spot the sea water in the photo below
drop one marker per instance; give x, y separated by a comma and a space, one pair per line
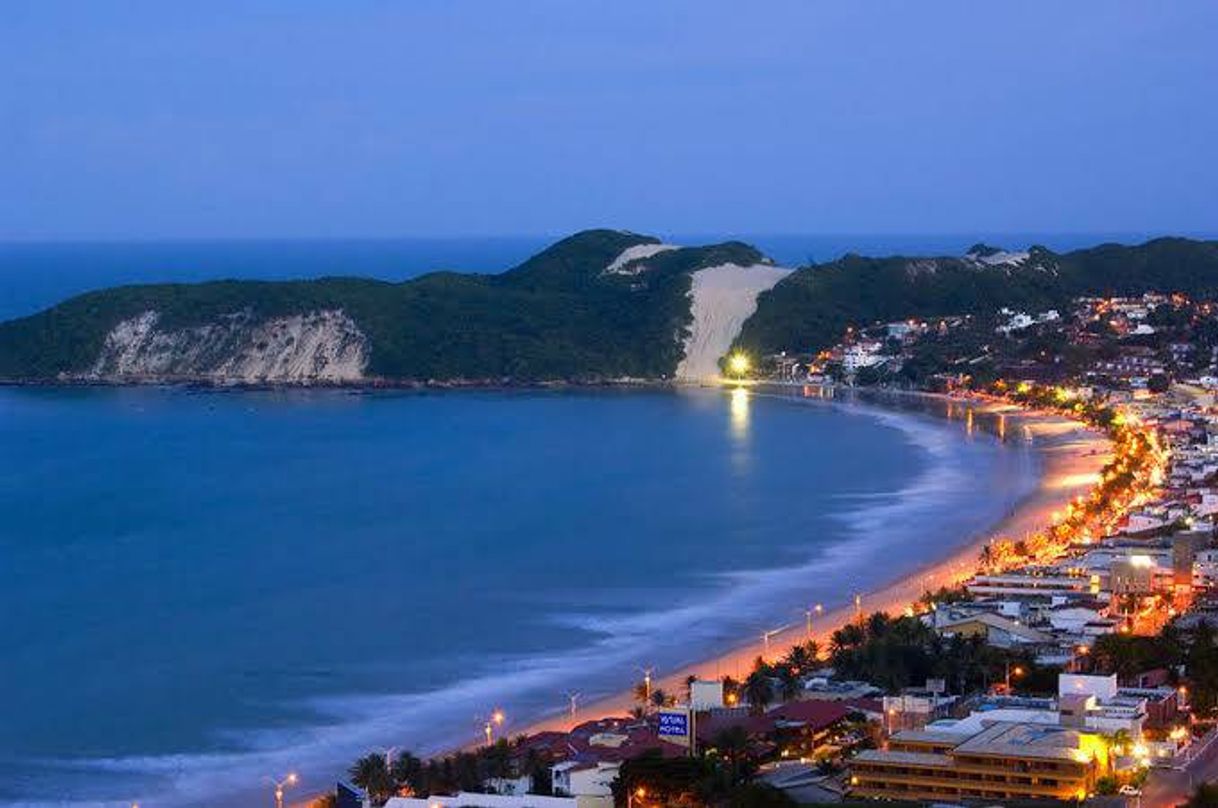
202, 589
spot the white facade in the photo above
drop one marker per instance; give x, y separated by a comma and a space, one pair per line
1076, 684
464, 800
706, 695
574, 779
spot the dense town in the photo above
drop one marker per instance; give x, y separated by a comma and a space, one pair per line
1078, 663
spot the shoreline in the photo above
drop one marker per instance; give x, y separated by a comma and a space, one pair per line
1071, 455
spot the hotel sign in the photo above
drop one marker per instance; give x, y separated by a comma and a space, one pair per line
674, 726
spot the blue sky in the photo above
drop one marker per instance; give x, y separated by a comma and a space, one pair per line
155, 119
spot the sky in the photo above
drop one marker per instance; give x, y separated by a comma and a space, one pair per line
150, 119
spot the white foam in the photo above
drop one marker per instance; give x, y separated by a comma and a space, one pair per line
430, 722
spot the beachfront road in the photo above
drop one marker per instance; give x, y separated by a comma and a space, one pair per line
1166, 788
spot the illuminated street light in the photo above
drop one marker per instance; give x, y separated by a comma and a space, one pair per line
488, 728
738, 364
280, 785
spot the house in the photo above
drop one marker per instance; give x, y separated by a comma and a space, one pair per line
999, 631
465, 800
574, 778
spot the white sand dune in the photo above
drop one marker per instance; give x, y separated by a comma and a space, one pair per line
723, 298
635, 253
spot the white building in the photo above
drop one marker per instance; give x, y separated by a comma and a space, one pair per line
584, 779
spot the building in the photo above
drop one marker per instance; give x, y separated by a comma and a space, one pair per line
1003, 761
1033, 584
574, 778
468, 800
996, 630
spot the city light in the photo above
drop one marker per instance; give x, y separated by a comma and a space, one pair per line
738, 364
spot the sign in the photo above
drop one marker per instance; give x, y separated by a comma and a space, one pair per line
674, 726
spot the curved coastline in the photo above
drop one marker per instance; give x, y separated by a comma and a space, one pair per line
952, 560
1071, 455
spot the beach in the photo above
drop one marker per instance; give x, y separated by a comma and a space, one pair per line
1072, 456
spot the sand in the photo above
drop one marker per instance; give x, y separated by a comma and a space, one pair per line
1071, 464
724, 297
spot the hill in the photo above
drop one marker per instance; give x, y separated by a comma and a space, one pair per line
600, 304
811, 308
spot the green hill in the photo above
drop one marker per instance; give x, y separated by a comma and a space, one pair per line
559, 315
811, 309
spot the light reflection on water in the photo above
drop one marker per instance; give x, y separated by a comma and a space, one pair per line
740, 413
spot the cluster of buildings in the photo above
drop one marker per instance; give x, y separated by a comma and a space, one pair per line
1006, 747
1157, 563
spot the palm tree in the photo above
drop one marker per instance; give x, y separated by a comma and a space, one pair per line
757, 690
847, 637
372, 775
788, 682
407, 773
642, 694
689, 687
798, 659
659, 698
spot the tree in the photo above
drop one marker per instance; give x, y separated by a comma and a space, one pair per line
848, 636
732, 745
372, 775
758, 691
789, 682
798, 659
407, 772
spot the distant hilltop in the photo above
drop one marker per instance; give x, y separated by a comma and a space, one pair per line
599, 306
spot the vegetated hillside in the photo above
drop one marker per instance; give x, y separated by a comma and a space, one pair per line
811, 309
559, 315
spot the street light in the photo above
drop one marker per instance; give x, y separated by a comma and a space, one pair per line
639, 793
738, 363
1017, 671
495, 720
280, 785
647, 683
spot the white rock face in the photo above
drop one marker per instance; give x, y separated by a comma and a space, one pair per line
723, 298
619, 266
322, 346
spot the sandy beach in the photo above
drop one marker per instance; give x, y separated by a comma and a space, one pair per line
1072, 456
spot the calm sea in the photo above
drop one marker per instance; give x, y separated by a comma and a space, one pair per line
199, 590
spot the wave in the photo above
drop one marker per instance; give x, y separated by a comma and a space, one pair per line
740, 604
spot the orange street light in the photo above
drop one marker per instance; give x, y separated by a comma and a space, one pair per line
280, 785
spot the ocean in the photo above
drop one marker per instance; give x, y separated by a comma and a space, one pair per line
199, 590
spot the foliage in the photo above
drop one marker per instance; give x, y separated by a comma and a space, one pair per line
904, 652
810, 309
556, 316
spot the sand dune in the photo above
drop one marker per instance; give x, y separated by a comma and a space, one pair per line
723, 298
